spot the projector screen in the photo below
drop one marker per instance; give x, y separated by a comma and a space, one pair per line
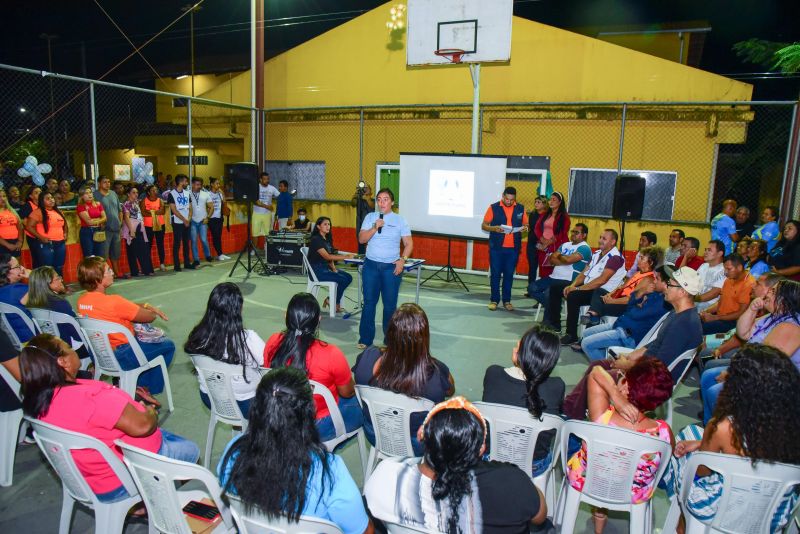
448, 194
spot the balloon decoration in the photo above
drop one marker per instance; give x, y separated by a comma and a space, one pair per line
142, 171
35, 170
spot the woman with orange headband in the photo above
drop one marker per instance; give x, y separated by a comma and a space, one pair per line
469, 495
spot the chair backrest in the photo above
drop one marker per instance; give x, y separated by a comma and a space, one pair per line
155, 476
653, 332
513, 433
216, 376
49, 321
10, 309
256, 522
684, 360
311, 274
396, 528
97, 332
612, 457
390, 413
10, 380
761, 487
57, 445
333, 407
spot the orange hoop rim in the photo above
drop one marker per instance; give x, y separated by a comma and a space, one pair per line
454, 54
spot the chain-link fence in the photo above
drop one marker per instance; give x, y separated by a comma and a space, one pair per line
696, 154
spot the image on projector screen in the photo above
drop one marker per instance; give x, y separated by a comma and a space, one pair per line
451, 193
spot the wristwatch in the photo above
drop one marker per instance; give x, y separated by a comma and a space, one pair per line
405, 258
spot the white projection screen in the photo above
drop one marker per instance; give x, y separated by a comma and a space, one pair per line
448, 194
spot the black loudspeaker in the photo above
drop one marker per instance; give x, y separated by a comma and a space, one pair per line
628, 197
244, 177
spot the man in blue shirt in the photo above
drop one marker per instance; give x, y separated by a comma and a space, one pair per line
723, 226
285, 208
382, 232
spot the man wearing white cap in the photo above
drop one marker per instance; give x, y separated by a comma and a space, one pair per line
681, 330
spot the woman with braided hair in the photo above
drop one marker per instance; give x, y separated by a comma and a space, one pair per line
528, 384
451, 489
280, 466
754, 417
298, 346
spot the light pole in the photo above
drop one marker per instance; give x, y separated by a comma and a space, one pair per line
49, 38
191, 9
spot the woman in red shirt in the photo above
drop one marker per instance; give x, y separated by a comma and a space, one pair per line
93, 219
49, 227
552, 230
11, 236
153, 210
325, 363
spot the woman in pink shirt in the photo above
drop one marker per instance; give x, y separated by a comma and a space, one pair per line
54, 395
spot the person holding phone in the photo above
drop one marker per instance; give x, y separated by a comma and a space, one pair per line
689, 257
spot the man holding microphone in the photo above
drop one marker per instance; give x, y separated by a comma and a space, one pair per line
382, 232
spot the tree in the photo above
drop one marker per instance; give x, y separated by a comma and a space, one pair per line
771, 54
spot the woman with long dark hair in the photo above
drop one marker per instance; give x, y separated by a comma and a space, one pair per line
133, 232
540, 209
753, 417
281, 468
784, 258
405, 366
49, 226
92, 217
15, 292
221, 335
450, 489
757, 258
11, 229
153, 207
31, 203
53, 394
322, 257
299, 347
552, 229
528, 384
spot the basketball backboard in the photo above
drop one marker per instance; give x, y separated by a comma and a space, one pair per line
482, 28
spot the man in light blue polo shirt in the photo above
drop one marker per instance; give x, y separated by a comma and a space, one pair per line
723, 226
382, 232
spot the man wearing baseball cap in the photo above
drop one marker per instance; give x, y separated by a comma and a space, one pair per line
681, 330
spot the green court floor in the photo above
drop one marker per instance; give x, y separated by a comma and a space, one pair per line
464, 334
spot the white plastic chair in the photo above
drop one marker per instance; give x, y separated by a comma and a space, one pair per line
514, 432
684, 359
612, 457
216, 376
342, 434
12, 433
255, 522
396, 528
390, 414
57, 445
314, 284
156, 475
48, 322
105, 363
750, 495
648, 337
10, 309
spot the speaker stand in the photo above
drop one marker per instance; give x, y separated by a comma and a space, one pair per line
249, 249
622, 238
450, 274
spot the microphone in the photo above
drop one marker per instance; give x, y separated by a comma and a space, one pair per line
381, 228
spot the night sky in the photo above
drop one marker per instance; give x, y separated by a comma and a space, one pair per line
222, 31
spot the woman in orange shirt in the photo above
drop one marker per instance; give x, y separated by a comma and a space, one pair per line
31, 203
11, 236
153, 205
49, 227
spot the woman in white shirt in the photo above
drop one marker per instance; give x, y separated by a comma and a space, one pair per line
220, 335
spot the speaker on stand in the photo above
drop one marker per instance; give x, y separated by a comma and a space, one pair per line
244, 177
628, 204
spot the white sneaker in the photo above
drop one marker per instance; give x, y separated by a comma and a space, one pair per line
224, 257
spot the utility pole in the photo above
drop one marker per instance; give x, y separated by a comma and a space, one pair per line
191, 9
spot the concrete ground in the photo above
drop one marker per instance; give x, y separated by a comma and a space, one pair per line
464, 334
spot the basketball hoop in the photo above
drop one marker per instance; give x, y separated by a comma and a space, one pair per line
453, 54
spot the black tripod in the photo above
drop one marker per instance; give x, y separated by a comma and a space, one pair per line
450, 274
249, 250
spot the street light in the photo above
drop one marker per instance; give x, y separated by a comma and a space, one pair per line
22, 110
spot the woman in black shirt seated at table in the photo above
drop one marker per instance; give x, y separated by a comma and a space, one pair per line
322, 257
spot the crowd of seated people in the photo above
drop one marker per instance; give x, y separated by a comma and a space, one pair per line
280, 464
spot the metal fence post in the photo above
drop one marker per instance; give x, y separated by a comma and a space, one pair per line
790, 165
189, 134
622, 137
96, 166
361, 146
